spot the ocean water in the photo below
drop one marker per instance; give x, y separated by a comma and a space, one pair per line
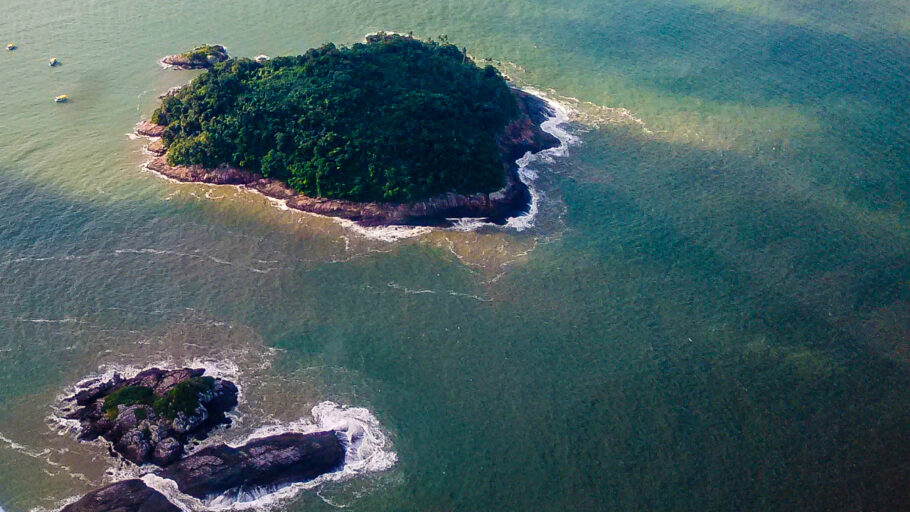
708, 312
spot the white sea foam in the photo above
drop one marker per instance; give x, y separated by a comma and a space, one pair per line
25, 450
384, 233
57, 506
555, 126
466, 223
368, 450
527, 173
408, 291
65, 320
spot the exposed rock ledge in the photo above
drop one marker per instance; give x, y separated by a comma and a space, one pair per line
272, 461
154, 422
268, 462
521, 136
201, 60
125, 496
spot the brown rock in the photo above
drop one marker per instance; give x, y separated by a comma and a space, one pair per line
167, 451
137, 432
156, 147
126, 496
150, 129
270, 461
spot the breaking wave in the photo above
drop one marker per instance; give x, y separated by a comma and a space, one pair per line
368, 450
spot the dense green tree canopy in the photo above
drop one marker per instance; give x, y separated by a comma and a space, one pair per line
394, 119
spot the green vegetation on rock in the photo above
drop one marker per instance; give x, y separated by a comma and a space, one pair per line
202, 53
394, 119
183, 397
130, 395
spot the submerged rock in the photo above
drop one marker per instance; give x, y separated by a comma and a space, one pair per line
267, 462
150, 417
125, 496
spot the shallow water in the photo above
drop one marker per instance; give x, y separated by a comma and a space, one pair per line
709, 313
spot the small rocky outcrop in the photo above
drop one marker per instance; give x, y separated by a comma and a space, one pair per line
156, 147
150, 417
270, 461
521, 136
150, 129
201, 57
125, 496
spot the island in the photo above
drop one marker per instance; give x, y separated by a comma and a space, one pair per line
394, 130
149, 418
201, 57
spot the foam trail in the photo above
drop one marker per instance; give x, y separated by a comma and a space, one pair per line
25, 450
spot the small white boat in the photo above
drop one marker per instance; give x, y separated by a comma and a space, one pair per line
53, 62
10, 47
61, 98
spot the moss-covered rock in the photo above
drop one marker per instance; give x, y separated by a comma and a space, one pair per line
127, 396
157, 406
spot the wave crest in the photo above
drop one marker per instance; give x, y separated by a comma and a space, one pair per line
368, 450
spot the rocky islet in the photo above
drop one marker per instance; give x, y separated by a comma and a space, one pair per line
149, 418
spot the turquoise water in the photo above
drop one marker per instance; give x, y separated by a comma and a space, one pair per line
710, 312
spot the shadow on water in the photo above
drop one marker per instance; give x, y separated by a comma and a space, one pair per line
731, 346
858, 89
702, 337
706, 335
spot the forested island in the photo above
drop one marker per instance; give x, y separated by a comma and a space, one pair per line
391, 131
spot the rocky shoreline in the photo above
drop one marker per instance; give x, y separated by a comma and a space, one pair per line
521, 136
